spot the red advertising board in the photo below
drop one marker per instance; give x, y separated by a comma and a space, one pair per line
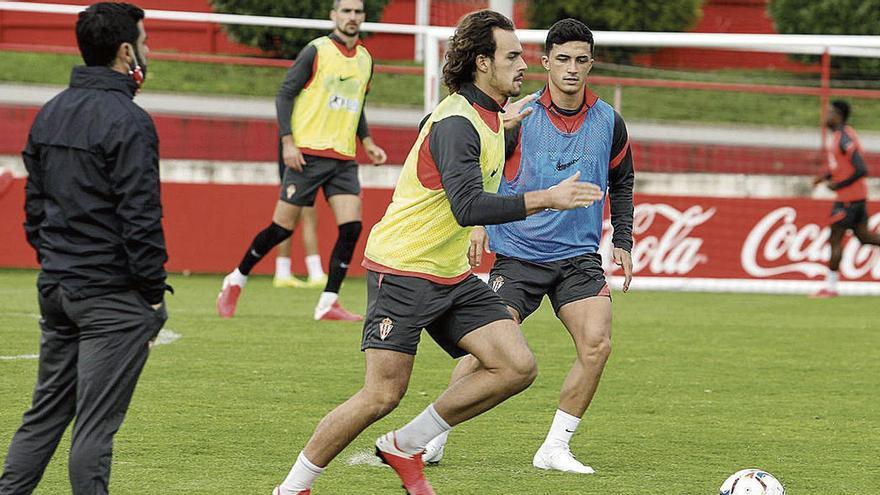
676, 238
742, 238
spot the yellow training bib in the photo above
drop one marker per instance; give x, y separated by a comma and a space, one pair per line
418, 234
326, 114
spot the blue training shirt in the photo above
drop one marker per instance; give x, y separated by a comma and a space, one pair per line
549, 155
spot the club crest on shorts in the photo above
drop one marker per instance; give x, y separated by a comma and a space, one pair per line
385, 328
291, 190
497, 283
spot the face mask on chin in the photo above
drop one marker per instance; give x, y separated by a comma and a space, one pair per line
138, 69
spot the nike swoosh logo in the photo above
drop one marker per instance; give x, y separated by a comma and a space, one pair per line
562, 166
568, 431
493, 173
345, 78
343, 265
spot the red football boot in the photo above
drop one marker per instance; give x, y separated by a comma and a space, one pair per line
277, 491
337, 313
824, 293
409, 467
228, 298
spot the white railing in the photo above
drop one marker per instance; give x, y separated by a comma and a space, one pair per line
850, 46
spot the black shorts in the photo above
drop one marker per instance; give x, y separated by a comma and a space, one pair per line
849, 215
399, 307
334, 176
523, 284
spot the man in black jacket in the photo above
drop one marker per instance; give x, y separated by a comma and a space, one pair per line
93, 215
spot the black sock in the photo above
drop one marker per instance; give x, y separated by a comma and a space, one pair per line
342, 254
268, 238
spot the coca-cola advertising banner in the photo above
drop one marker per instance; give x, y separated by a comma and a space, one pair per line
741, 238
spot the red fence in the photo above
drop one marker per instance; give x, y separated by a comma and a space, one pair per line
238, 139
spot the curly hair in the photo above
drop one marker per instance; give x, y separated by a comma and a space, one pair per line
473, 37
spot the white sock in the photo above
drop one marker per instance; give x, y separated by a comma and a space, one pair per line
327, 299
831, 279
313, 264
413, 437
301, 476
282, 267
237, 278
563, 427
443, 437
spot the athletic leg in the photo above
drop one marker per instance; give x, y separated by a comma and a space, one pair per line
347, 210
588, 321
865, 236
310, 243
284, 219
387, 377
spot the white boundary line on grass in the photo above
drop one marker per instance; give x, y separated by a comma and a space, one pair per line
364, 458
20, 357
28, 315
165, 337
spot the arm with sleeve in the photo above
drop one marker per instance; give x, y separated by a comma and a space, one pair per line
621, 179
363, 131
455, 147
296, 79
135, 181
33, 194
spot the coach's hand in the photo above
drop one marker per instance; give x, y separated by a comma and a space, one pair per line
571, 193
292, 156
623, 259
514, 112
479, 244
377, 155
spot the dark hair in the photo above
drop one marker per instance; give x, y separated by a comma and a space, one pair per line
473, 37
842, 108
567, 30
103, 27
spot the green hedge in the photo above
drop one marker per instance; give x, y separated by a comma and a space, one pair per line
851, 17
280, 41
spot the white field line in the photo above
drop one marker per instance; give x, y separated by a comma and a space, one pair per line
365, 458
165, 337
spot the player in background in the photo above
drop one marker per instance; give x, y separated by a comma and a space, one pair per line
309, 219
419, 276
329, 83
846, 177
554, 253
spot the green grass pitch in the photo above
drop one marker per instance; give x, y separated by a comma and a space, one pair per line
697, 387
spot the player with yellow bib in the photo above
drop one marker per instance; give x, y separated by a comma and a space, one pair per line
329, 84
419, 276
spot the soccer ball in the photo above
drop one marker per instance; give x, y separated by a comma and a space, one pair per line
752, 482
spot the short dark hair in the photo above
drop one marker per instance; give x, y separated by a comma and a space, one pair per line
473, 37
567, 30
842, 108
103, 27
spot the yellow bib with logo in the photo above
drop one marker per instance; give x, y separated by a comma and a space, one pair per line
418, 233
327, 111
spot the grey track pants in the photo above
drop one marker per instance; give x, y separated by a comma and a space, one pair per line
92, 352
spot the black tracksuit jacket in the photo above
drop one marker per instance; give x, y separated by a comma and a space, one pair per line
93, 211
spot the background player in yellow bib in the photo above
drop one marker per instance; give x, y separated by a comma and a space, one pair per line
419, 274
318, 136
